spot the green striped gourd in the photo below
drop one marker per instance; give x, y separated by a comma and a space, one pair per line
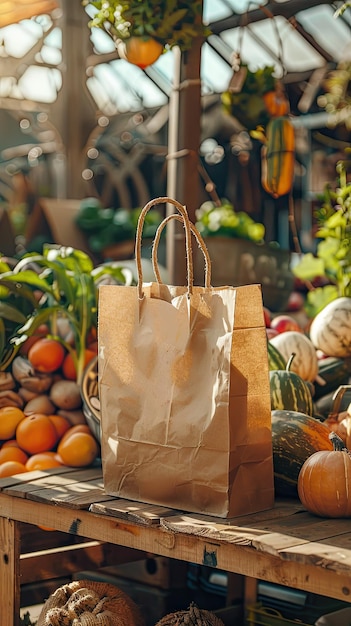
276, 360
289, 391
278, 157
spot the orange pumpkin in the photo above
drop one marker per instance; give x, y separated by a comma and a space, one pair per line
324, 481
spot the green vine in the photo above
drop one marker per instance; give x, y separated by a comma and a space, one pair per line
170, 22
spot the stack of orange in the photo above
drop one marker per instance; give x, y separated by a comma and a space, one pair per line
38, 441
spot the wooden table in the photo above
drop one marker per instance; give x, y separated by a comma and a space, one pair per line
284, 545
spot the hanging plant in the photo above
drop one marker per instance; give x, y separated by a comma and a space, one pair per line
160, 24
247, 104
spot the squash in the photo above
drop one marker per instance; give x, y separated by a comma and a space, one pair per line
295, 436
276, 102
330, 330
305, 363
289, 391
278, 157
332, 372
276, 360
339, 417
324, 481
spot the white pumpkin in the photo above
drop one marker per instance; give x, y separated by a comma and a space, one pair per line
305, 362
330, 330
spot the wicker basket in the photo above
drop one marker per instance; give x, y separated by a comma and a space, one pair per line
90, 398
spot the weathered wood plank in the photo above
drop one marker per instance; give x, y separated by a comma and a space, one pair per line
64, 483
140, 513
24, 478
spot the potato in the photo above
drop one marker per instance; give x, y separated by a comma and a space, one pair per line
65, 394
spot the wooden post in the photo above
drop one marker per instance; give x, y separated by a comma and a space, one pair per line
184, 144
9, 572
74, 112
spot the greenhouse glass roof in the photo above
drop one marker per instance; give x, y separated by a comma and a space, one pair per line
298, 37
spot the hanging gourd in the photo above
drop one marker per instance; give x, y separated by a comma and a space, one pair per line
276, 102
324, 482
278, 157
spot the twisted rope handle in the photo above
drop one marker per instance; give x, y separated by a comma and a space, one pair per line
186, 223
199, 240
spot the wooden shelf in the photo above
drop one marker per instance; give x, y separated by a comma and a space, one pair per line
284, 545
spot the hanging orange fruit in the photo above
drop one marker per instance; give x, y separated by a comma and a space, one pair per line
278, 157
142, 51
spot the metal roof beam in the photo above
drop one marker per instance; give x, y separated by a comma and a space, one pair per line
272, 9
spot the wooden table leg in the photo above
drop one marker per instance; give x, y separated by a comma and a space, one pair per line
9, 571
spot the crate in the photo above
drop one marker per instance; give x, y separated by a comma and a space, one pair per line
259, 615
240, 262
156, 571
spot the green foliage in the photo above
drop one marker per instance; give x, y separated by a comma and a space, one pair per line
41, 287
342, 9
333, 254
226, 222
336, 100
170, 22
105, 227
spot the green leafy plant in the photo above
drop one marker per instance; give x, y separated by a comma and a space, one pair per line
247, 105
40, 288
105, 227
332, 259
170, 22
221, 219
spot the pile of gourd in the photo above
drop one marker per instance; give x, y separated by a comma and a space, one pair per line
311, 411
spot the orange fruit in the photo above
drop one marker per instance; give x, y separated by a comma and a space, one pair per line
143, 51
77, 428
36, 433
10, 417
13, 453
41, 331
46, 355
10, 468
10, 443
62, 424
78, 450
43, 461
68, 366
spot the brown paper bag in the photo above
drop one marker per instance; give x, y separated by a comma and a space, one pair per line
184, 392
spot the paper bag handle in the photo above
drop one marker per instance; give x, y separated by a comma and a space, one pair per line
199, 240
186, 223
